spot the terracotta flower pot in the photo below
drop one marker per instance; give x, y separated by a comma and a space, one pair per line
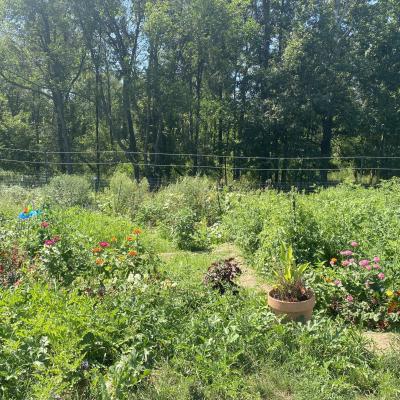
300, 311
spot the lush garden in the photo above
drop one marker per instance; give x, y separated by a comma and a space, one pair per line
105, 295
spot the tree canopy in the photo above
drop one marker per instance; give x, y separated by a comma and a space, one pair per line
281, 90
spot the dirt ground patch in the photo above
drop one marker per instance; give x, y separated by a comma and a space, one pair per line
383, 342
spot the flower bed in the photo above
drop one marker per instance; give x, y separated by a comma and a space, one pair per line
355, 287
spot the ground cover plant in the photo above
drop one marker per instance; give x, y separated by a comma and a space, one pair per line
96, 305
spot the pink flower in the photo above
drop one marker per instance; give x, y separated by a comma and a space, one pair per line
368, 267
345, 263
104, 244
354, 244
381, 276
377, 266
52, 242
45, 224
377, 259
350, 298
338, 282
352, 261
364, 263
346, 253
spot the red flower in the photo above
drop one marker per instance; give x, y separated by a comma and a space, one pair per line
45, 224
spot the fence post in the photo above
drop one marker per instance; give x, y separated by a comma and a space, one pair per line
46, 172
362, 169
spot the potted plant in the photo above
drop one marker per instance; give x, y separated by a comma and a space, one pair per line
290, 296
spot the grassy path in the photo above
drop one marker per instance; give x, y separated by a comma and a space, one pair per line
191, 266
181, 263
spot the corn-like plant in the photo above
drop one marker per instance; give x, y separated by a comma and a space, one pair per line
289, 277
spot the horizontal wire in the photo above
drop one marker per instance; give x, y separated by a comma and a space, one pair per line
222, 167
299, 158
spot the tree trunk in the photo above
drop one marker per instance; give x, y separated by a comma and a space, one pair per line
326, 147
97, 130
132, 147
62, 134
265, 47
220, 143
199, 78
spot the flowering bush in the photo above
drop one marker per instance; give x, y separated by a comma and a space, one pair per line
121, 259
356, 288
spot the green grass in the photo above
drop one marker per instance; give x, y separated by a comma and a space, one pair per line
188, 268
179, 339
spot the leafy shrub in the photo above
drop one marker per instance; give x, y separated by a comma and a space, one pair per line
94, 226
248, 215
12, 197
68, 191
11, 262
184, 211
316, 225
126, 195
221, 275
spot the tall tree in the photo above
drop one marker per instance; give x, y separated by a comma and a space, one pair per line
43, 54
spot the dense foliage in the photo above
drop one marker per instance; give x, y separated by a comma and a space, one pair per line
89, 310
160, 84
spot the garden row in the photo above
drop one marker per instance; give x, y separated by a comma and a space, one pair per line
89, 311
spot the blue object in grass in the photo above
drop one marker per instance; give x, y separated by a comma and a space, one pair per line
30, 214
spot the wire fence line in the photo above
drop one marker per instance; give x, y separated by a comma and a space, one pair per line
217, 167
34, 181
200, 155
282, 173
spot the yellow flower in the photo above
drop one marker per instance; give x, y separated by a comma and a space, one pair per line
113, 239
389, 293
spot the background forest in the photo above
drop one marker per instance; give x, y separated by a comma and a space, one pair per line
278, 90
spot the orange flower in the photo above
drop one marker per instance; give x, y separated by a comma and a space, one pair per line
133, 253
393, 307
26, 210
99, 261
97, 250
328, 280
113, 239
137, 231
129, 238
